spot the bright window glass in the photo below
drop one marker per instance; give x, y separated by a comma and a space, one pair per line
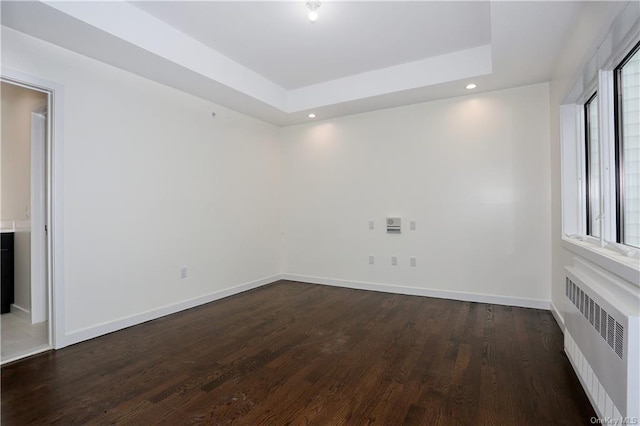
628, 82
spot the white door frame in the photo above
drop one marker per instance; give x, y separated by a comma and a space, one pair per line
54, 194
39, 299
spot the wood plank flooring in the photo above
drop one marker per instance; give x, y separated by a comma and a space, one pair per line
293, 353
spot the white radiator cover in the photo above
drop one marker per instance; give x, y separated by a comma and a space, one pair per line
601, 339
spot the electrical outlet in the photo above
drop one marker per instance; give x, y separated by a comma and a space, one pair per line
412, 225
372, 260
372, 225
183, 272
412, 261
394, 260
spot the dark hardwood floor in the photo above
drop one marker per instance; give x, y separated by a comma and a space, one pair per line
301, 353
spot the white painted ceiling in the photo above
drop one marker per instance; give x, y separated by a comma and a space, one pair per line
275, 40
265, 59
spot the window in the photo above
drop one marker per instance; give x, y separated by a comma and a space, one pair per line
627, 147
621, 201
592, 163
600, 155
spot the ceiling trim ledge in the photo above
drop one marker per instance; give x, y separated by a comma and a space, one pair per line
133, 25
141, 29
454, 66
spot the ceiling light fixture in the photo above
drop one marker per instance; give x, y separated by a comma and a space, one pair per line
312, 115
313, 6
471, 86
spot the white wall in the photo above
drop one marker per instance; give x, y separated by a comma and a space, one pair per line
586, 37
581, 41
153, 183
597, 35
473, 172
15, 175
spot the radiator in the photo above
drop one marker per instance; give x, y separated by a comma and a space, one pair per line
602, 342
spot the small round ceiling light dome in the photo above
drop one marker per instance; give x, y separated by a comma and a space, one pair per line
313, 6
312, 115
470, 86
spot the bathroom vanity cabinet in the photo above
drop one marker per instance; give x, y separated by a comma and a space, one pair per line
6, 271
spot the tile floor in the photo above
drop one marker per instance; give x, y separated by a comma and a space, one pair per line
20, 337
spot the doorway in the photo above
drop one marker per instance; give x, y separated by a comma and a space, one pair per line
24, 204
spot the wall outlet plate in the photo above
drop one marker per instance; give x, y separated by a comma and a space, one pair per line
393, 225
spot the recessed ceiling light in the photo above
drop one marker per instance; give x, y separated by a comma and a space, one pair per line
471, 86
312, 115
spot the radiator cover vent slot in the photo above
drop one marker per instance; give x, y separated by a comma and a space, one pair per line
609, 329
619, 343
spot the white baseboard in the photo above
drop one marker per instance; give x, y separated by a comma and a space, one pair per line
111, 326
557, 316
415, 291
21, 312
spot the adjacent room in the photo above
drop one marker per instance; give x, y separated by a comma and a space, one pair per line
325, 212
25, 327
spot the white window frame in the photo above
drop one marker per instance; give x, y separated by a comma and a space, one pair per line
597, 76
618, 146
581, 110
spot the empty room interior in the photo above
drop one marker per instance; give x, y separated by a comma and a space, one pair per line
320, 212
